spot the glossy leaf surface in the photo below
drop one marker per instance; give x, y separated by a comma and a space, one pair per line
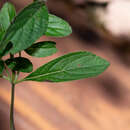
73, 66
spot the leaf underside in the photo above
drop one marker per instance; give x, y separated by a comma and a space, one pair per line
58, 27
42, 49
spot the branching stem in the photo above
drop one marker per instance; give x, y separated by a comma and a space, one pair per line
12, 126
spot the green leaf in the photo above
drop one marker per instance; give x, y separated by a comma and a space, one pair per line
73, 66
57, 27
42, 49
7, 14
29, 25
2, 32
19, 64
7, 49
1, 66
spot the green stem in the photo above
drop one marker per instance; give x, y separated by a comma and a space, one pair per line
11, 56
19, 81
7, 72
19, 54
7, 78
12, 127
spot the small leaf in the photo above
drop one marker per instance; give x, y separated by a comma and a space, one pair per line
7, 14
73, 66
29, 25
42, 49
57, 27
19, 64
1, 66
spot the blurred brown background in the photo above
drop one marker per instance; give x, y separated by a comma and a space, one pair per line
102, 103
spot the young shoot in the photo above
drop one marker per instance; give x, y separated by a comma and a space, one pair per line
20, 33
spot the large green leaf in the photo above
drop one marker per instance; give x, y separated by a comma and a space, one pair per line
7, 14
29, 25
7, 49
73, 66
19, 64
57, 27
42, 49
1, 66
2, 32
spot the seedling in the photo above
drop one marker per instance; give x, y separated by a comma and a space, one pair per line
20, 32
